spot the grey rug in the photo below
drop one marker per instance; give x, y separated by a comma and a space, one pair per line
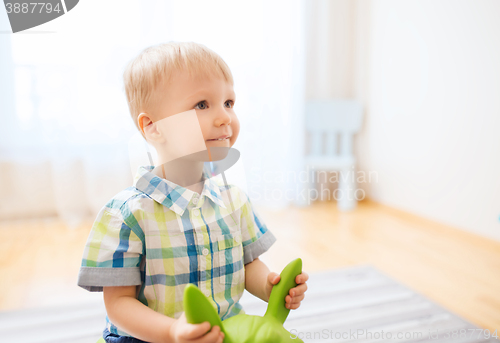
356, 304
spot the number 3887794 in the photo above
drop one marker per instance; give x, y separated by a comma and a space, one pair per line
32, 7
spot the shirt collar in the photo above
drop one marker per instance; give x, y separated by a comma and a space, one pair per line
172, 195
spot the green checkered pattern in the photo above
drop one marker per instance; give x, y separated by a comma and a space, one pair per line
161, 236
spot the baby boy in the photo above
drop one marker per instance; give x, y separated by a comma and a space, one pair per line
175, 225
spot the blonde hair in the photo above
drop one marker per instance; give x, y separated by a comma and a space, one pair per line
155, 65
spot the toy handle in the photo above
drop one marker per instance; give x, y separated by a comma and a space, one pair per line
276, 306
197, 307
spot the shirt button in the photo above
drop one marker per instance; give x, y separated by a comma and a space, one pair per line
237, 239
205, 252
207, 292
195, 201
196, 212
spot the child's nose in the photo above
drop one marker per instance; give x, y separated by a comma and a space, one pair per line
222, 117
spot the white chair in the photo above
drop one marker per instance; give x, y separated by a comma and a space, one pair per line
332, 125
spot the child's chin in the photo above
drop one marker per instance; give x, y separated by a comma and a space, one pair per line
217, 152
225, 142
211, 154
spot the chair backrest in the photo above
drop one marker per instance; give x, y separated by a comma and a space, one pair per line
331, 121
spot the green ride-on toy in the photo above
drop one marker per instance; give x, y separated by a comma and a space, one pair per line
244, 328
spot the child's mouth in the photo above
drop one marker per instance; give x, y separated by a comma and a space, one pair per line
218, 139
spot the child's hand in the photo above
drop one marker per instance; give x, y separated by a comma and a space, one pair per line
181, 332
296, 294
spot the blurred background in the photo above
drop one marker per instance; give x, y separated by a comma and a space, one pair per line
424, 73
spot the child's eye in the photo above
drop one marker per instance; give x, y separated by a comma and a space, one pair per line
202, 105
229, 103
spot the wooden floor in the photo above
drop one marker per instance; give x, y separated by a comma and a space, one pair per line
39, 259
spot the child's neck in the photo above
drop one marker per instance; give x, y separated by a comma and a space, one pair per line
185, 173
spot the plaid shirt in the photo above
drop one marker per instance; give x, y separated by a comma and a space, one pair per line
161, 236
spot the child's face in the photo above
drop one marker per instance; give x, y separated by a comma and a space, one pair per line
212, 98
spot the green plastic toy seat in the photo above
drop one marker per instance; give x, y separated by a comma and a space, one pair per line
244, 328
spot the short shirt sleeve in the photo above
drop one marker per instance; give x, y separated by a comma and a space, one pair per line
112, 254
256, 237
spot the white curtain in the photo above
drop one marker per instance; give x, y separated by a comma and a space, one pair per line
65, 149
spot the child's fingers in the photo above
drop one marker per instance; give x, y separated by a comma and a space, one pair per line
294, 306
192, 331
273, 278
301, 278
300, 289
221, 338
212, 336
295, 299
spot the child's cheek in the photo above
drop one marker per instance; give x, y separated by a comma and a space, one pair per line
235, 126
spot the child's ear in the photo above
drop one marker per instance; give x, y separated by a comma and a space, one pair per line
149, 128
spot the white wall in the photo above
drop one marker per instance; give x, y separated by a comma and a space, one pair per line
73, 109
430, 78
330, 49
